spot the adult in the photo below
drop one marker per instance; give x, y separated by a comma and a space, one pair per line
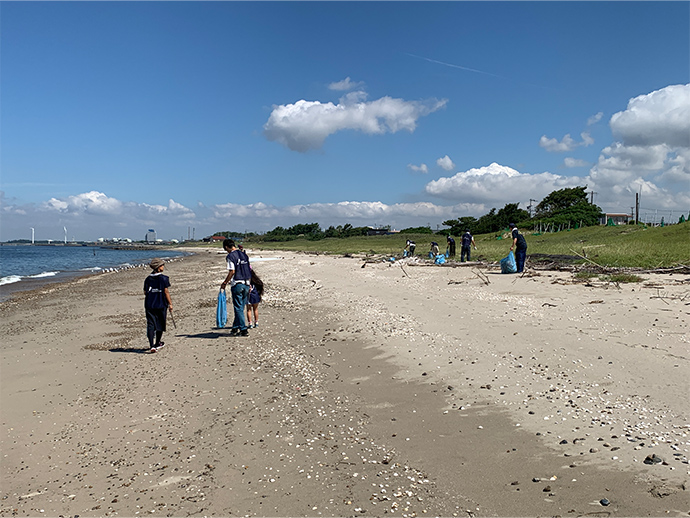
434, 251
520, 246
239, 277
451, 246
410, 246
466, 243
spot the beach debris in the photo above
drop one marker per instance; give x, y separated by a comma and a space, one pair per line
604, 502
653, 459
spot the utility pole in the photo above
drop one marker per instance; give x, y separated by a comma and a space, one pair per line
637, 208
591, 197
530, 206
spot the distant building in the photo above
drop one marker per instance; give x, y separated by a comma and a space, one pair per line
380, 231
214, 239
150, 236
615, 219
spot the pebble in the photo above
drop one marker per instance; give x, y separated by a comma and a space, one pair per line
604, 502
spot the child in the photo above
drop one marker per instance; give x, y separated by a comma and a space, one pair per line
255, 293
156, 303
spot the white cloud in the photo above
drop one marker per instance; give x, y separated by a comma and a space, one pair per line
566, 144
575, 162
345, 84
305, 125
661, 117
496, 185
652, 156
594, 119
418, 168
445, 163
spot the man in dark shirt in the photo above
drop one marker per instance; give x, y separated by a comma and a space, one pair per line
520, 246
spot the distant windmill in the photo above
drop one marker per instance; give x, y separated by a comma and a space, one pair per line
32, 235
65, 228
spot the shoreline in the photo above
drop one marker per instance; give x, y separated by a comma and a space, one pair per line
365, 385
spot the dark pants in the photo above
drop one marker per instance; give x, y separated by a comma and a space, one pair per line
465, 250
520, 256
155, 324
451, 250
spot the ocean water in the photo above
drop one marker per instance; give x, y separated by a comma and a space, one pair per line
25, 263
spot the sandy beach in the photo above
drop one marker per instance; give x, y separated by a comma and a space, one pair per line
369, 388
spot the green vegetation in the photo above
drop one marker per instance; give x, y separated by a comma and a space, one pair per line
633, 246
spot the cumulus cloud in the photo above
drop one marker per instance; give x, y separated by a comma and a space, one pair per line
566, 144
575, 162
595, 118
496, 185
305, 125
445, 163
661, 117
358, 213
418, 168
345, 84
652, 153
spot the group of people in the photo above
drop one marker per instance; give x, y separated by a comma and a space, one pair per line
246, 289
519, 245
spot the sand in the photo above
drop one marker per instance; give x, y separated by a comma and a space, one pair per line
368, 389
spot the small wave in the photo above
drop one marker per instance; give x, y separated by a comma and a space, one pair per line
91, 269
42, 274
10, 279
262, 259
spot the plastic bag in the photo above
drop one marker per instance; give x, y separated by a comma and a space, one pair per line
440, 259
508, 264
221, 310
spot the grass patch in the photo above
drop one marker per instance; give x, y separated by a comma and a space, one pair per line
624, 246
585, 276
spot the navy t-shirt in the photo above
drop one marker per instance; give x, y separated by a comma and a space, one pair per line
521, 243
154, 289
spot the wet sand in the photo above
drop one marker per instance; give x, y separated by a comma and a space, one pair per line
390, 389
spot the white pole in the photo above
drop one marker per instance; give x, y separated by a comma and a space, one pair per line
32, 235
65, 228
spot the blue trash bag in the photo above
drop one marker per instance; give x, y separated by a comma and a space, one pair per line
440, 259
221, 310
508, 264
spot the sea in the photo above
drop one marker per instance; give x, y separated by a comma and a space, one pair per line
24, 266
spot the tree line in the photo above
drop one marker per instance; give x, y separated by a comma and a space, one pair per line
564, 207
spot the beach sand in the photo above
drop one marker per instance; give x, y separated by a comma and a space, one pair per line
369, 388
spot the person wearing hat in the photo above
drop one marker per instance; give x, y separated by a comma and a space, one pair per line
451, 246
520, 246
157, 302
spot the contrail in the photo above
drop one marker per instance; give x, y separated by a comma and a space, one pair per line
456, 66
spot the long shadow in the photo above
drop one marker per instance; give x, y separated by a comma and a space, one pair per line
129, 350
206, 335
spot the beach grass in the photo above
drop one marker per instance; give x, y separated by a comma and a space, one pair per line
632, 246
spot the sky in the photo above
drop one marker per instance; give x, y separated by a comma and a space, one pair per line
196, 117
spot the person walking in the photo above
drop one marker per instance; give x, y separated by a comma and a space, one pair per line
466, 243
451, 246
520, 246
157, 302
256, 291
239, 276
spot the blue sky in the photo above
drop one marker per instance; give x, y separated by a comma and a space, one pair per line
122, 116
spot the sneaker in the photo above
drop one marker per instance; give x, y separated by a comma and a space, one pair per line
244, 333
152, 350
256, 324
159, 346
234, 331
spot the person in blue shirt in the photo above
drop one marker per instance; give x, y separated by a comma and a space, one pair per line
451, 246
157, 302
520, 246
466, 243
239, 277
